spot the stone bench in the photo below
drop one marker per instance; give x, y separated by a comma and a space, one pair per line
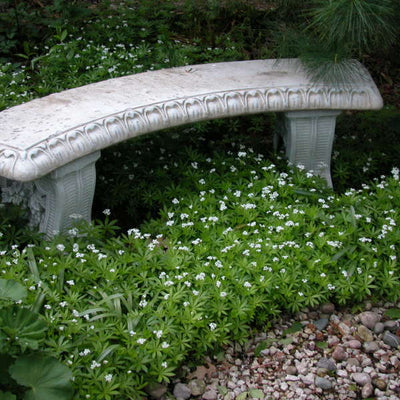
49, 146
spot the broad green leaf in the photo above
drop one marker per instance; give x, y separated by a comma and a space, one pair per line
12, 290
7, 396
24, 324
242, 396
296, 327
5, 361
256, 393
393, 313
222, 390
46, 377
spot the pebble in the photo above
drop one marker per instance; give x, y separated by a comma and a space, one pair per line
182, 391
391, 340
326, 363
379, 328
367, 391
344, 329
323, 383
321, 324
391, 326
361, 378
339, 354
328, 308
369, 319
379, 383
197, 387
291, 370
210, 395
370, 347
353, 362
354, 344
365, 334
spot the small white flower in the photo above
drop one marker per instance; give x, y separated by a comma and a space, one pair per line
107, 211
212, 325
158, 333
71, 282
141, 341
108, 377
164, 345
164, 364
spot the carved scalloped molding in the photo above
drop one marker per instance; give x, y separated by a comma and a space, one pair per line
59, 149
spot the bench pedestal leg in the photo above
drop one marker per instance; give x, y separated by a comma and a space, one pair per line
53, 199
66, 193
308, 138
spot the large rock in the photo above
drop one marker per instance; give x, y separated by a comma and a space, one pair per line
369, 319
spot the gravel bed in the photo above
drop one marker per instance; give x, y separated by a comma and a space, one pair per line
319, 354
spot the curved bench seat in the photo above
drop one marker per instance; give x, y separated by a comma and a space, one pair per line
63, 132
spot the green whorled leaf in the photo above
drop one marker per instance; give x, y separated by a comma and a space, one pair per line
12, 290
46, 377
24, 324
393, 313
7, 396
322, 345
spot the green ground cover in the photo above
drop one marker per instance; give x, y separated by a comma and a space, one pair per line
201, 233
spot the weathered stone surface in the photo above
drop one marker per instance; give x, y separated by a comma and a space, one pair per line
151, 101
